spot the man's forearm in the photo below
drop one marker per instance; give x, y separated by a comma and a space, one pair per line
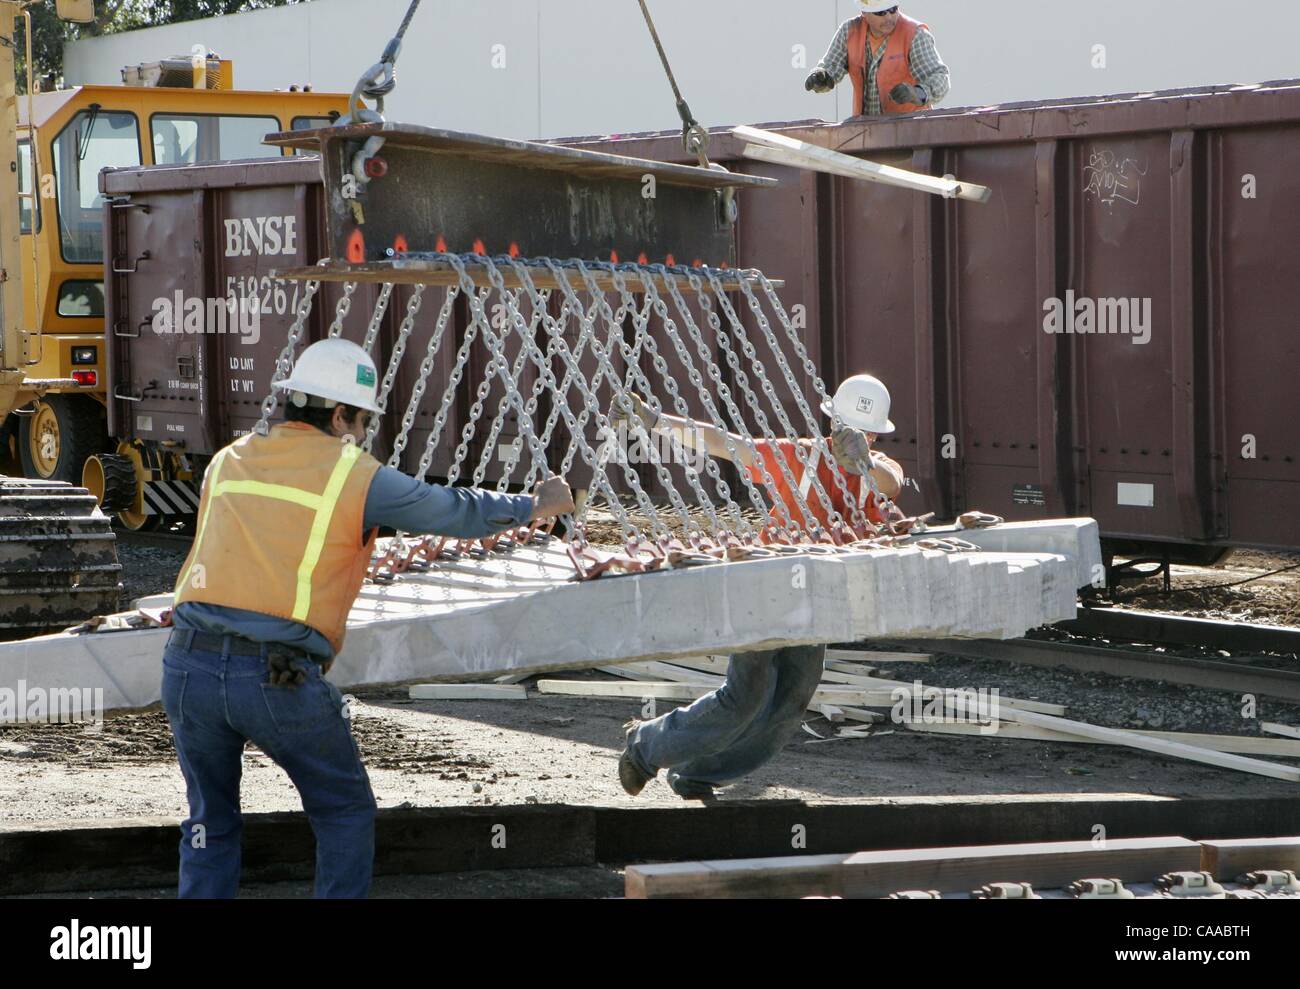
710, 439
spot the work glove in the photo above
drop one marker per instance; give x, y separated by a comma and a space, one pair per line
640, 408
553, 497
819, 81
286, 670
905, 93
851, 449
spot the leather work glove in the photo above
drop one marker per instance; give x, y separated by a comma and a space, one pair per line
640, 408
819, 81
286, 670
905, 93
851, 449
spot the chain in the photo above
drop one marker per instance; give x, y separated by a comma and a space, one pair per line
697, 379
724, 346
449, 393
814, 429
394, 362
530, 406
641, 325
422, 382
882, 503
593, 408
377, 317
341, 310
802, 453
284, 363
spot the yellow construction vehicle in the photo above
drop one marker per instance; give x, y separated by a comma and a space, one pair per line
181, 110
58, 557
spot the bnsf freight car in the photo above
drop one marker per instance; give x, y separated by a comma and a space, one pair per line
1113, 335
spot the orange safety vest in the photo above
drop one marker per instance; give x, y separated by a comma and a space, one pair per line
788, 503
280, 529
894, 68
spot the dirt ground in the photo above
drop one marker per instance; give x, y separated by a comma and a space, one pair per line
1242, 588
550, 749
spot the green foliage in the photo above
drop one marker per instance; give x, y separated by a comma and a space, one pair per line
49, 34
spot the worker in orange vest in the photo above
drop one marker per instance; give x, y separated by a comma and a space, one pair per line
732, 731
286, 526
892, 60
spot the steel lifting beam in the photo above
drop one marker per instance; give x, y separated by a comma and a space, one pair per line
395, 189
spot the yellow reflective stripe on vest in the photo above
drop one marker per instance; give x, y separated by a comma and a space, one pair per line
279, 491
320, 528
323, 505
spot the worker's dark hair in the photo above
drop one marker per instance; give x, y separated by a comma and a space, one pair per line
313, 416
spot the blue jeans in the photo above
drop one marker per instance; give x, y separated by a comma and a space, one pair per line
215, 701
729, 733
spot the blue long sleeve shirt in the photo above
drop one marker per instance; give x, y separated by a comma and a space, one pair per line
394, 501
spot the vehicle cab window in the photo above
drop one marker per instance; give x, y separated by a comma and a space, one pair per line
25, 186
188, 139
94, 140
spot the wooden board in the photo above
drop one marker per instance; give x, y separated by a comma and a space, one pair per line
1239, 744
1161, 746
784, 150
949, 870
839, 696
1276, 729
860, 656
1230, 858
468, 692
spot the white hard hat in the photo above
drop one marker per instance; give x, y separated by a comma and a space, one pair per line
876, 6
338, 371
863, 403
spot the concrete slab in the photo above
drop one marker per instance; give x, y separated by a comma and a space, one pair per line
522, 612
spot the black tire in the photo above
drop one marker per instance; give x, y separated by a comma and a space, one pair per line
82, 432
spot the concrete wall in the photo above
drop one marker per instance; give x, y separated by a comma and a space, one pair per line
551, 68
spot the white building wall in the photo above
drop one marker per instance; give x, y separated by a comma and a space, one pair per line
552, 68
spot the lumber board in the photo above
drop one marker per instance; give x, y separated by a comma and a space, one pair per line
839, 696
1229, 858
655, 671
861, 656
949, 870
1042, 707
1161, 746
468, 692
1239, 744
856, 679
1275, 729
784, 150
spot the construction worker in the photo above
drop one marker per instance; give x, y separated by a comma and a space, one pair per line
892, 60
742, 725
287, 523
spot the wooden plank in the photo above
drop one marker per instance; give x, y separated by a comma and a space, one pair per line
468, 692
857, 678
654, 671
1041, 707
860, 656
783, 150
862, 714
839, 696
1161, 746
950, 870
830, 712
1275, 729
1229, 858
1239, 744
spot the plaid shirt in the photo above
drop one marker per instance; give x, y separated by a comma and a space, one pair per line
931, 74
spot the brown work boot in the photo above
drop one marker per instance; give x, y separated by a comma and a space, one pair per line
632, 776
